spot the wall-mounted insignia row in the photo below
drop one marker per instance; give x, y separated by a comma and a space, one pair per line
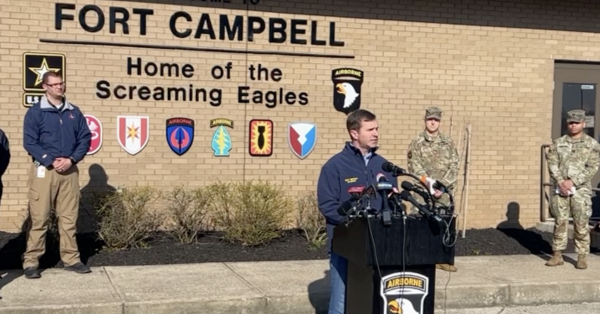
133, 134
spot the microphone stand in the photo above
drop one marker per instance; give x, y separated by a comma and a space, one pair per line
399, 206
449, 238
386, 213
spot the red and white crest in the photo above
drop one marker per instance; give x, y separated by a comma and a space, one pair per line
96, 128
132, 133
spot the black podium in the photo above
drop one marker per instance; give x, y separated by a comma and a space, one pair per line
391, 269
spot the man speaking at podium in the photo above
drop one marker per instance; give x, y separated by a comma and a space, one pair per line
355, 166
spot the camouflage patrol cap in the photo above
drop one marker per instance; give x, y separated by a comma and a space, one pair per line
576, 115
433, 113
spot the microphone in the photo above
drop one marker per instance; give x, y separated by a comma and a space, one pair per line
405, 195
433, 184
382, 183
368, 192
393, 169
395, 197
356, 191
384, 186
410, 187
345, 208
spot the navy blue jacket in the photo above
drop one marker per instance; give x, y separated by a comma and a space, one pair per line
4, 158
4, 153
344, 170
49, 133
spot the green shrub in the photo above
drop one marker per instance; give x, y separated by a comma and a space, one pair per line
250, 213
311, 221
188, 209
126, 217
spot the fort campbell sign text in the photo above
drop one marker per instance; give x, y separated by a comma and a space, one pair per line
93, 18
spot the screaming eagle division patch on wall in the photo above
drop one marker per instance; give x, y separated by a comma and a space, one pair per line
346, 89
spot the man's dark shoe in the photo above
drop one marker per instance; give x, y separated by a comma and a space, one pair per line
79, 268
32, 273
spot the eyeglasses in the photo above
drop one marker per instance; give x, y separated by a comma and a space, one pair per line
57, 84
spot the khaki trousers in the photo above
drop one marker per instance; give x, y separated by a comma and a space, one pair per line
49, 189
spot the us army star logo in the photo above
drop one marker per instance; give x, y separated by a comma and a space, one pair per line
41, 71
35, 65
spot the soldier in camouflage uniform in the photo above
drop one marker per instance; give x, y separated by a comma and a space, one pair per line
573, 160
432, 154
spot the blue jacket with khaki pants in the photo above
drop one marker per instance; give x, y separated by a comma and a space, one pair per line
51, 132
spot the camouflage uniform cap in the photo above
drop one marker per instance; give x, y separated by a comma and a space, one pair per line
576, 115
433, 113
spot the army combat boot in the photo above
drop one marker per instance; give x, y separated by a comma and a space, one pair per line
446, 267
556, 259
581, 261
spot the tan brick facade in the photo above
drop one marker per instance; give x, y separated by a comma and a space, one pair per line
499, 78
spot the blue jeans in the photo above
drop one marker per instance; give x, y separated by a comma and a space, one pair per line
338, 270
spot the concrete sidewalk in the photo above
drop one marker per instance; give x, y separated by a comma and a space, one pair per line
283, 287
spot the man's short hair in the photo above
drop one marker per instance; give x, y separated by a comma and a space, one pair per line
49, 74
355, 119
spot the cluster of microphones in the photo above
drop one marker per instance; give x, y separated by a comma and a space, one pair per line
359, 204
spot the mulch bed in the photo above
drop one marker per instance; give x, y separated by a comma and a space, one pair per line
164, 249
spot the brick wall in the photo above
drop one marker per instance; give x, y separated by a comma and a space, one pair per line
489, 65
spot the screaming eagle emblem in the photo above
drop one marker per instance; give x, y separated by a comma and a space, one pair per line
346, 89
404, 292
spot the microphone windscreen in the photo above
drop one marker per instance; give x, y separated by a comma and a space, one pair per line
387, 166
407, 185
356, 189
405, 195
